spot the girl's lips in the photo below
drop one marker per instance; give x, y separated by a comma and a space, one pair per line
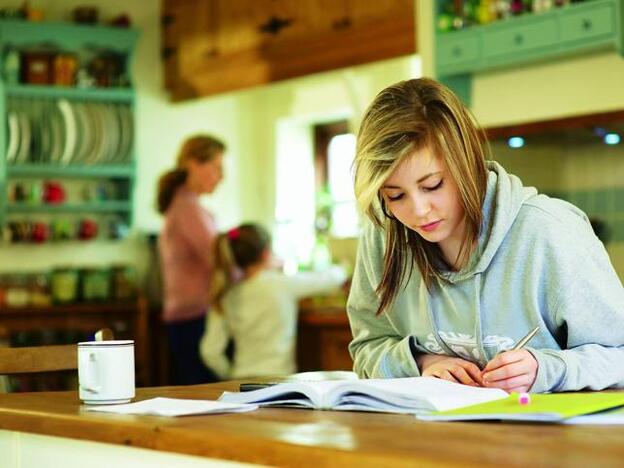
431, 226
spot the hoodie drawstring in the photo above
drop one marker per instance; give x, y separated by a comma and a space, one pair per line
482, 358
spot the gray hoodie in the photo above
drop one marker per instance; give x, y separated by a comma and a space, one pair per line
537, 263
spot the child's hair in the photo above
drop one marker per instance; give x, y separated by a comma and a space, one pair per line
200, 148
236, 249
404, 118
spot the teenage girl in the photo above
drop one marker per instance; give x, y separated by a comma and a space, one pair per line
460, 260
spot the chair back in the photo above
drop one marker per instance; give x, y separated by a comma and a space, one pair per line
28, 360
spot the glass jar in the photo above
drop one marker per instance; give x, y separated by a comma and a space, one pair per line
40, 290
64, 285
95, 284
124, 281
17, 293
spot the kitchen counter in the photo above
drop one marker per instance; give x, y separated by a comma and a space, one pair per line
323, 336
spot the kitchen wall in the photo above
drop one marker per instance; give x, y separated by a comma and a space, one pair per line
588, 174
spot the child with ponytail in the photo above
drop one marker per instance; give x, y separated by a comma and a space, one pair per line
259, 311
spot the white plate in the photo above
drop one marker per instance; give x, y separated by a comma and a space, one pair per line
45, 130
98, 148
24, 152
14, 137
81, 134
113, 133
106, 135
125, 152
70, 131
56, 129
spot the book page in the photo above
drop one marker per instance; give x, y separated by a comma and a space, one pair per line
401, 395
413, 394
307, 394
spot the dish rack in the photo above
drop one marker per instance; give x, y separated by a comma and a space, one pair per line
67, 98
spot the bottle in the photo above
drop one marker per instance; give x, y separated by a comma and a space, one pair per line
321, 256
12, 67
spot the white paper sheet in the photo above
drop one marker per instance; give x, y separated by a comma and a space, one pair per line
174, 407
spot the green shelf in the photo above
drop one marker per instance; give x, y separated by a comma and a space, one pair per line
86, 94
52, 170
571, 30
67, 36
84, 42
99, 207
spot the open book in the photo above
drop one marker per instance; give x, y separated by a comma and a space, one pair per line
402, 395
552, 408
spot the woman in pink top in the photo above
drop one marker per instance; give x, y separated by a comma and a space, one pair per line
186, 246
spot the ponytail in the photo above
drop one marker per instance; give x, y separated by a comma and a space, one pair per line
168, 185
225, 271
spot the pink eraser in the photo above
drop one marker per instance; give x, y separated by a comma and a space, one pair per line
524, 398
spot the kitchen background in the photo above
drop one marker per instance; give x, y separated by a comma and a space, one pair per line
270, 133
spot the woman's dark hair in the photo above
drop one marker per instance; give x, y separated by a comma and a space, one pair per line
236, 249
200, 148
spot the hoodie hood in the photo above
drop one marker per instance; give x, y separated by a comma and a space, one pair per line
504, 197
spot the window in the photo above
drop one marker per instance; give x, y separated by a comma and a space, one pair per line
334, 154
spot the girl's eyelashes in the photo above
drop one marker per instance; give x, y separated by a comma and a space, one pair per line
435, 187
398, 196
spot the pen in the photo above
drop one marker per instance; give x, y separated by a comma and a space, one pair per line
520, 344
251, 386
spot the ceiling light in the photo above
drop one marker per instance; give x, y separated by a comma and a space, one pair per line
515, 142
611, 138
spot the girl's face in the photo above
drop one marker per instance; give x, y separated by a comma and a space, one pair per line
203, 177
423, 196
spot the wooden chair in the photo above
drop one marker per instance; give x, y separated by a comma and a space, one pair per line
28, 360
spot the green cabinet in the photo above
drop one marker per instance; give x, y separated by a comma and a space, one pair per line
67, 140
574, 29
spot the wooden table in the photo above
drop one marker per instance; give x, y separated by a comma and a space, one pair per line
296, 437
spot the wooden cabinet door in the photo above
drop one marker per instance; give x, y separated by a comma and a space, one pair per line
213, 46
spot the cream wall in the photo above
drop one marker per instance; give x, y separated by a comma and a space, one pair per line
588, 84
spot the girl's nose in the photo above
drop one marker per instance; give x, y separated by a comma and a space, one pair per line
421, 206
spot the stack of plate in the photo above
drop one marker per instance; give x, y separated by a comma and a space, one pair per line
60, 131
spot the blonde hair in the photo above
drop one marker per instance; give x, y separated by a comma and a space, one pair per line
404, 118
200, 148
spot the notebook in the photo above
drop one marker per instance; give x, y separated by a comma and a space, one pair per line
551, 407
400, 395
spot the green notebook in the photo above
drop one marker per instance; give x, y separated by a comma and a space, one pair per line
551, 407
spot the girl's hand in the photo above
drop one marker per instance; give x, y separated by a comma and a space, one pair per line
453, 369
513, 371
